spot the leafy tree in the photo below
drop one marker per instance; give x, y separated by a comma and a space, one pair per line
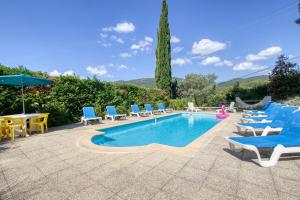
163, 71
284, 79
174, 88
198, 87
298, 20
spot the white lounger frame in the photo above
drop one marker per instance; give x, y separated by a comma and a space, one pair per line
140, 114
265, 132
113, 117
277, 152
85, 120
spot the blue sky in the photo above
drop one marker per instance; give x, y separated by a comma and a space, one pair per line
116, 39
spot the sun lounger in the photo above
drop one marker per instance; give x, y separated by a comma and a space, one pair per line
111, 113
149, 109
89, 115
162, 108
192, 108
288, 141
135, 111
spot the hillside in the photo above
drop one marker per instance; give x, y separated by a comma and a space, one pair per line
143, 82
244, 82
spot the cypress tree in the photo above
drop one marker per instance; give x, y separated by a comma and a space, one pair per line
163, 71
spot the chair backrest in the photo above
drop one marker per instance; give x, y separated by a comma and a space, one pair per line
148, 107
88, 112
135, 108
161, 106
284, 116
267, 105
231, 106
191, 105
44, 117
111, 110
293, 126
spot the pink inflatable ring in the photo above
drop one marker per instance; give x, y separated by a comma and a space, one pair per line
222, 116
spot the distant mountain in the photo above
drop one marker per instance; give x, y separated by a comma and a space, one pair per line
244, 82
143, 82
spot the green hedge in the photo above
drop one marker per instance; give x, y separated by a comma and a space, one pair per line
65, 98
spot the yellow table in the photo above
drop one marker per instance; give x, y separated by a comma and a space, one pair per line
24, 117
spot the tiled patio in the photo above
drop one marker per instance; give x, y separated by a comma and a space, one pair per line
52, 166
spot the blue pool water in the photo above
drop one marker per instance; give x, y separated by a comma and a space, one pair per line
177, 130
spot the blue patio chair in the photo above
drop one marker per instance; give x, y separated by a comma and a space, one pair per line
149, 109
111, 113
288, 141
283, 117
89, 115
162, 108
135, 111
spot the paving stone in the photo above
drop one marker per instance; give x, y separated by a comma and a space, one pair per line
155, 178
259, 176
203, 162
207, 193
63, 175
101, 172
93, 192
77, 183
169, 166
285, 196
117, 181
227, 186
255, 192
161, 195
284, 173
182, 187
136, 170
152, 160
192, 174
52, 165
288, 186
138, 191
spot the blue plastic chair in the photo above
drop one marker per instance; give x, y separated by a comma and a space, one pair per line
111, 113
288, 141
279, 121
149, 109
135, 111
89, 115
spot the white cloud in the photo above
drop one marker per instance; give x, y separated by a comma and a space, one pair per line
143, 45
216, 61
174, 39
103, 35
181, 61
125, 55
247, 66
97, 70
177, 49
264, 54
120, 67
54, 73
206, 47
211, 60
69, 73
66, 73
224, 63
125, 27
117, 39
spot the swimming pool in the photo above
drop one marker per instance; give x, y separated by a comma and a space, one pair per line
177, 130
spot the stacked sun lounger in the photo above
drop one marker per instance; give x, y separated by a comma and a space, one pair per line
280, 131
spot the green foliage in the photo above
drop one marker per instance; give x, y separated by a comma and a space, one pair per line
198, 87
68, 94
215, 100
163, 71
284, 79
178, 104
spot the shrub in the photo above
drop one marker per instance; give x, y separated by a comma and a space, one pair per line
178, 104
